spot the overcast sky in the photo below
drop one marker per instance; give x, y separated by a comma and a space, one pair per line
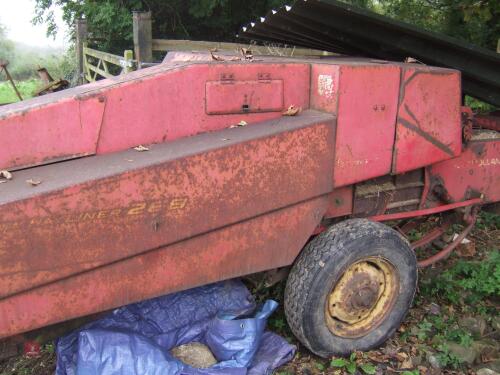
16, 15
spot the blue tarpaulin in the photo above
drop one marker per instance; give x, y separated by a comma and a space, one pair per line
137, 339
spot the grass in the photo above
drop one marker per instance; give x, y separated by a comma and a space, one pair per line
26, 88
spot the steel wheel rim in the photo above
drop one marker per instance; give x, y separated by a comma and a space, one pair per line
362, 297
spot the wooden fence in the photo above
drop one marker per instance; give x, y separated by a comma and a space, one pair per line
97, 64
93, 64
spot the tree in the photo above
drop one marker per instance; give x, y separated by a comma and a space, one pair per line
110, 21
475, 21
6, 46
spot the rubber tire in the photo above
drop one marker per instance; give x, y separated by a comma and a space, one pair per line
323, 261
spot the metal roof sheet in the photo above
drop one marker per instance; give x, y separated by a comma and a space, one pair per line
339, 27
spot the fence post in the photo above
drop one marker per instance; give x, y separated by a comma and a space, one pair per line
81, 39
143, 38
128, 57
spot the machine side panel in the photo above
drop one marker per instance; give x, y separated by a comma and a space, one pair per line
367, 108
228, 97
152, 105
90, 212
474, 173
429, 126
265, 242
60, 130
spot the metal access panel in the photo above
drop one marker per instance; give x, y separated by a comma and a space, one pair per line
429, 124
229, 97
367, 107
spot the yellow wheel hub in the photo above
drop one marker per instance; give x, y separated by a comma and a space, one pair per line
362, 297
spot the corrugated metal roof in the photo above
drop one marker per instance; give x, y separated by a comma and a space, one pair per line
338, 27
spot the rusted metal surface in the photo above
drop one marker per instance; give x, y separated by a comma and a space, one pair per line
340, 202
137, 108
389, 194
264, 242
471, 220
431, 236
491, 121
362, 298
367, 106
427, 211
229, 96
106, 208
475, 173
54, 86
209, 201
44, 75
429, 128
342, 27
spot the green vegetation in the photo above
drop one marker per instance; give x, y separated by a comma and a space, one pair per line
26, 88
467, 283
111, 24
356, 362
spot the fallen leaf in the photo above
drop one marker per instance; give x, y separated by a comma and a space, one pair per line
141, 148
412, 60
221, 58
407, 364
5, 175
434, 309
377, 357
239, 124
401, 356
247, 53
33, 182
292, 111
466, 249
216, 57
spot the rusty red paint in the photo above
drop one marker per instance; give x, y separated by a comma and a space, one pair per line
366, 122
448, 249
229, 96
137, 108
429, 237
491, 121
474, 173
325, 87
427, 211
206, 202
429, 118
261, 243
105, 208
340, 202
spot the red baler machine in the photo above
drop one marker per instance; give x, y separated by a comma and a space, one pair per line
223, 184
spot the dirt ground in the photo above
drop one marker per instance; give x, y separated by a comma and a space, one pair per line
453, 327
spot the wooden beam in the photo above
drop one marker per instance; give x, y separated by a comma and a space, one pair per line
165, 45
3, 66
105, 56
143, 48
128, 61
81, 39
99, 71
